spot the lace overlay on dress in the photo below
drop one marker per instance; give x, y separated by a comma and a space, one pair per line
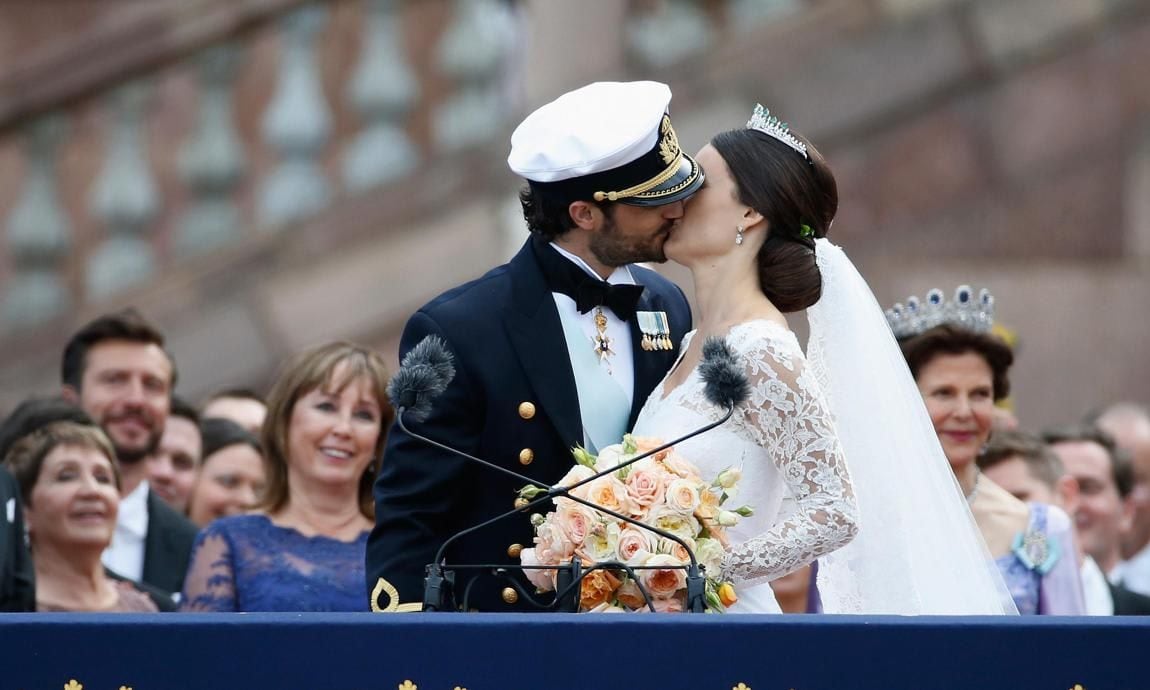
784, 439
248, 563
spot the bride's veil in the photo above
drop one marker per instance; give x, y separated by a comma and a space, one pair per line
918, 550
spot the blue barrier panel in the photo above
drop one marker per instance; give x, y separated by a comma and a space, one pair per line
532, 652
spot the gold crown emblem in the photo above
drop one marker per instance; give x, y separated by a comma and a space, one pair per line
669, 145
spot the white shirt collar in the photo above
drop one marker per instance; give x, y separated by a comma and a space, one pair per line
620, 276
1096, 590
134, 512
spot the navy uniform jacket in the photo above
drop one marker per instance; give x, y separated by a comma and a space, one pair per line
507, 341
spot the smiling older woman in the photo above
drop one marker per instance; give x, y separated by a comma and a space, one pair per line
70, 484
302, 549
962, 370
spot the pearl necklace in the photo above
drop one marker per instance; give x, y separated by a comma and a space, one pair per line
974, 490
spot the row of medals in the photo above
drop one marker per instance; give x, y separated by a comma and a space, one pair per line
658, 341
656, 333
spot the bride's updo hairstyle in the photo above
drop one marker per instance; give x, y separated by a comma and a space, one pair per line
789, 191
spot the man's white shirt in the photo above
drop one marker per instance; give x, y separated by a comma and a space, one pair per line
125, 555
621, 365
1096, 589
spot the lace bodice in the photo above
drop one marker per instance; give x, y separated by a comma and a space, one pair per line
784, 440
248, 563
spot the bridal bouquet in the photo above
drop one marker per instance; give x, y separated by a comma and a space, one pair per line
663, 490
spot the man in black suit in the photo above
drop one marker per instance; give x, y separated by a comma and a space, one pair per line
1103, 511
17, 578
1031, 470
117, 370
557, 348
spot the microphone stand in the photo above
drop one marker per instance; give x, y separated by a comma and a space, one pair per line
438, 587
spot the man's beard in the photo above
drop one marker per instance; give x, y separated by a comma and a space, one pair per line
133, 455
612, 248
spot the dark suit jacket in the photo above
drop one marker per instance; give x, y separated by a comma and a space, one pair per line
167, 547
1129, 603
17, 577
507, 340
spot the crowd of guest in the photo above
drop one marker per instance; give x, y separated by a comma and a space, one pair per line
119, 495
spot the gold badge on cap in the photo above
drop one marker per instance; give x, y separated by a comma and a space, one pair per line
656, 330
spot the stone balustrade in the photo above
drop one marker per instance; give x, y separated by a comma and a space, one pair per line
179, 161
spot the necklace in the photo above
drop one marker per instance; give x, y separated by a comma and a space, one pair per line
974, 489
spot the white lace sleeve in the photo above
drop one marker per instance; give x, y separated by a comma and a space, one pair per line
788, 417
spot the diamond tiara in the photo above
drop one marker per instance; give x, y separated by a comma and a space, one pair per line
763, 121
964, 311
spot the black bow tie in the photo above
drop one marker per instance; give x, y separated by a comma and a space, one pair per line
621, 299
565, 277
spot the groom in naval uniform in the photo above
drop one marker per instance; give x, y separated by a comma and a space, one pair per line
557, 348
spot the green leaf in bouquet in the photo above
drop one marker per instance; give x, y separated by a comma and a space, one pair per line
745, 511
629, 445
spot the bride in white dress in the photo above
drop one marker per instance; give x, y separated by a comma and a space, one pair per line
836, 460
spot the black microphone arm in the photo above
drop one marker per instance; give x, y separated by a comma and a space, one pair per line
426, 372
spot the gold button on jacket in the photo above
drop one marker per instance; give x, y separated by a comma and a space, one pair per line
510, 596
526, 456
526, 410
514, 550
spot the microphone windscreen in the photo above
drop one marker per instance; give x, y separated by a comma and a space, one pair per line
724, 379
423, 375
432, 351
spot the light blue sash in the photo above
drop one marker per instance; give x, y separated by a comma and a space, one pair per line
602, 403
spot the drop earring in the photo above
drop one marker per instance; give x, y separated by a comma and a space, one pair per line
738, 234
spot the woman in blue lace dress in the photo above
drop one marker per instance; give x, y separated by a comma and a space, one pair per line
303, 548
962, 370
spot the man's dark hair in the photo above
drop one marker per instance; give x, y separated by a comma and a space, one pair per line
550, 218
181, 408
127, 325
237, 393
1041, 462
218, 433
1121, 467
36, 413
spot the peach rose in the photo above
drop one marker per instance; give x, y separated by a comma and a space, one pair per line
683, 496
634, 543
672, 605
552, 546
596, 588
708, 507
629, 595
678, 465
576, 521
676, 549
663, 581
575, 475
544, 580
607, 608
645, 444
644, 486
610, 493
